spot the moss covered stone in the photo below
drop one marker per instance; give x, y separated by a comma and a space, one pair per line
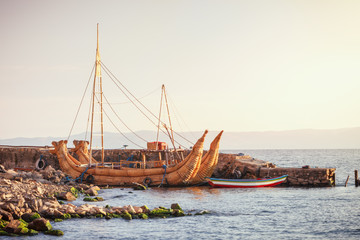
61, 202
34, 216
143, 216
99, 199
32, 232
160, 213
23, 226
178, 213
75, 192
3, 233
58, 220
89, 199
3, 223
99, 215
75, 215
145, 209
48, 225
66, 216
126, 215
54, 232
175, 206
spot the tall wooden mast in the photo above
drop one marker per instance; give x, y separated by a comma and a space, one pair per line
97, 97
171, 133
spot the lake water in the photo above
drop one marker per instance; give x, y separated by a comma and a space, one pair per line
267, 213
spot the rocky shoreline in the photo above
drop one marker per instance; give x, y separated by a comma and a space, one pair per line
30, 200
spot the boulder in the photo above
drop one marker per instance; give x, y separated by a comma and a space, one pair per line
145, 209
129, 209
175, 206
16, 227
67, 196
12, 226
54, 232
138, 210
40, 224
29, 217
26, 217
91, 191
5, 215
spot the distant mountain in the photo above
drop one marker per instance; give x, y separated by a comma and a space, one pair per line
293, 139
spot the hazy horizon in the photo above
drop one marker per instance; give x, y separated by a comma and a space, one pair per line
346, 138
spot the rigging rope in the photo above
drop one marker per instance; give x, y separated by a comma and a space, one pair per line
112, 77
119, 129
122, 120
82, 99
181, 118
148, 94
88, 120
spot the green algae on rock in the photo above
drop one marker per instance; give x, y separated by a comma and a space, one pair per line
126, 215
54, 232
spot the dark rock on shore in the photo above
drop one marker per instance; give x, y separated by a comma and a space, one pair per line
40, 224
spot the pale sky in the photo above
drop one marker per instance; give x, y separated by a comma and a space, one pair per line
231, 65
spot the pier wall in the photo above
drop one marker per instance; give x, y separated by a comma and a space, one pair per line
232, 166
229, 165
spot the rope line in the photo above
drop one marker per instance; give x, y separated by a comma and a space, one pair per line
121, 87
112, 77
146, 95
82, 99
122, 120
118, 128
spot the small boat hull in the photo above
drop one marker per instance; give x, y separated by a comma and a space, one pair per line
246, 183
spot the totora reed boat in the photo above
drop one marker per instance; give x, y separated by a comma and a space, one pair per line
246, 183
190, 170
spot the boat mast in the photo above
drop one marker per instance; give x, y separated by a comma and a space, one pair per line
168, 112
171, 133
97, 78
157, 137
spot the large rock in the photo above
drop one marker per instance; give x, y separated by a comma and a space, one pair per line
175, 206
29, 217
5, 215
40, 224
12, 226
17, 227
68, 196
92, 191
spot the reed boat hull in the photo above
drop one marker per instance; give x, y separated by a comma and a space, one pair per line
246, 183
208, 162
180, 175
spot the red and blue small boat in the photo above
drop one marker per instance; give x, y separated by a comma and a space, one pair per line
246, 183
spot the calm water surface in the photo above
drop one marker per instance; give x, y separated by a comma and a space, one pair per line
271, 213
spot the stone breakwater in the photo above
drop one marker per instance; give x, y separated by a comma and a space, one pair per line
233, 166
27, 204
229, 165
